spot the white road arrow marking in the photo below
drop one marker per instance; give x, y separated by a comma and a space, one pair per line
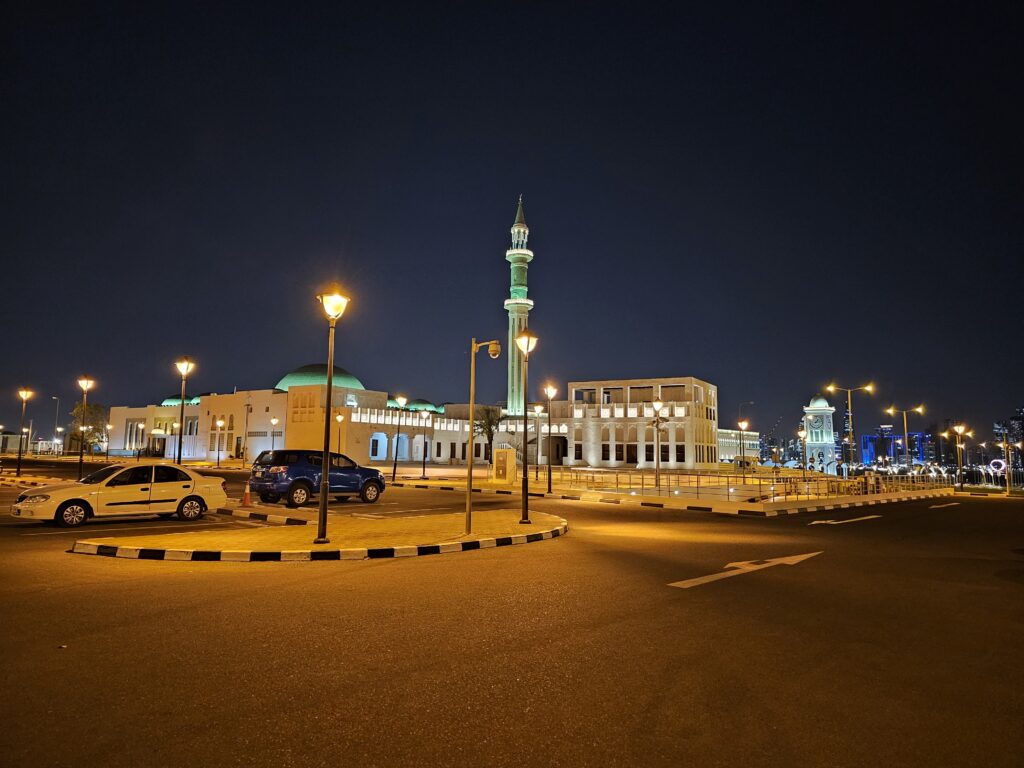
940, 506
747, 566
842, 522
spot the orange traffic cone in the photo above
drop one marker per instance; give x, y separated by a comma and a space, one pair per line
246, 497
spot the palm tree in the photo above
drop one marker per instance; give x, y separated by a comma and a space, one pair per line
486, 425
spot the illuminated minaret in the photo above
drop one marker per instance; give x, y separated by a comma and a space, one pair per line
518, 306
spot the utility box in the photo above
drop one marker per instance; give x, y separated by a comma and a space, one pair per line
504, 465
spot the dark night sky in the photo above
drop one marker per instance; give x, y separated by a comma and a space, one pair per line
765, 196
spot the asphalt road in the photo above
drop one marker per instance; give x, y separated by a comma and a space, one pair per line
899, 644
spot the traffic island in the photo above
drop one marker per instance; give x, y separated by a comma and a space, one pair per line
351, 539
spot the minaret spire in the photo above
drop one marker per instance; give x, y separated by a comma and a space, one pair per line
518, 307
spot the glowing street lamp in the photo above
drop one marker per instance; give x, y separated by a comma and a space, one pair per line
538, 409
185, 367
550, 391
869, 388
657, 423
25, 395
106, 439
892, 410
274, 421
424, 416
141, 440
339, 418
960, 431
526, 342
86, 384
1008, 447
493, 351
743, 425
334, 304
401, 400
220, 426
802, 434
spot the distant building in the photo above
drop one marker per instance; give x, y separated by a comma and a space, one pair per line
821, 448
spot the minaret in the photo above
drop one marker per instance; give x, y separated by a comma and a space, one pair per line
518, 306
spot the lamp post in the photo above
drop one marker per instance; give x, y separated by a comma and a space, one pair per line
657, 423
802, 434
220, 425
138, 445
56, 415
334, 304
960, 430
86, 384
177, 426
493, 351
401, 401
550, 391
1008, 447
869, 388
106, 439
538, 409
743, 425
526, 342
25, 395
424, 415
273, 424
892, 410
339, 418
58, 439
185, 367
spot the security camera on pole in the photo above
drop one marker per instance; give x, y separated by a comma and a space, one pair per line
494, 352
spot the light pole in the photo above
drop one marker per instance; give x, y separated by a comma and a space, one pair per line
401, 401
1008, 447
138, 445
56, 415
220, 425
106, 439
273, 430
550, 391
185, 367
424, 415
892, 410
25, 395
960, 430
657, 423
526, 342
58, 439
802, 434
86, 384
869, 388
743, 425
334, 304
339, 418
538, 409
493, 351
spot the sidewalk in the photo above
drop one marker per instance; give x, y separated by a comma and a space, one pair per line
351, 539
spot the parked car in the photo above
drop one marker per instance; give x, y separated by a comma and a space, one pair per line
294, 475
150, 488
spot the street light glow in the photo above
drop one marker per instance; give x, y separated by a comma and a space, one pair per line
86, 383
25, 394
334, 303
550, 391
526, 342
401, 400
185, 367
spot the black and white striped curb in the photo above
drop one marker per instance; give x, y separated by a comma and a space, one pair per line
20, 482
246, 514
310, 555
678, 506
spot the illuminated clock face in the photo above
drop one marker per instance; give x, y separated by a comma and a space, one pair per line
816, 422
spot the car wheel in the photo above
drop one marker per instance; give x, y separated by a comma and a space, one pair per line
71, 514
298, 495
370, 493
269, 498
191, 508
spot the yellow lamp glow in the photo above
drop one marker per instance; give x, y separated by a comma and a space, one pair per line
334, 303
550, 391
743, 425
25, 394
339, 418
185, 367
526, 342
802, 433
86, 383
658, 405
538, 409
401, 400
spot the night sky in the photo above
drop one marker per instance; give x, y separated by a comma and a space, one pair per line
763, 196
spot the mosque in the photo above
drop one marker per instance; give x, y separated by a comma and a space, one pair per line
609, 423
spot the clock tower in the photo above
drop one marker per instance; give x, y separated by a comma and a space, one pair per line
821, 443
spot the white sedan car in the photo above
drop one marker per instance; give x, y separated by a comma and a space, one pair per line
152, 488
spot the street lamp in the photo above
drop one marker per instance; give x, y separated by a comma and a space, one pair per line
401, 400
960, 430
220, 425
86, 384
58, 439
185, 367
106, 439
138, 445
334, 304
538, 409
339, 418
526, 342
743, 425
1008, 447
493, 351
869, 388
273, 431
56, 414
25, 395
550, 391
802, 434
424, 415
657, 423
892, 410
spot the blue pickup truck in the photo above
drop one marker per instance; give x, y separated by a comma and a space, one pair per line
294, 475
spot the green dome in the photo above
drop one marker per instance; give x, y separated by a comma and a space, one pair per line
317, 375
417, 405
176, 400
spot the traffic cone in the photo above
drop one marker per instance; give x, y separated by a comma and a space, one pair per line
246, 497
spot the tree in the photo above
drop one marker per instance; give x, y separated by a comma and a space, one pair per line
486, 425
95, 419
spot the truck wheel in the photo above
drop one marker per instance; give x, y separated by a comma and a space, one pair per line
370, 493
298, 495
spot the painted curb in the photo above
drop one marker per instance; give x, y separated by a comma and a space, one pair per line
17, 482
311, 555
245, 514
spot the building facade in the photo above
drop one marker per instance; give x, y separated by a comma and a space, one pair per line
820, 440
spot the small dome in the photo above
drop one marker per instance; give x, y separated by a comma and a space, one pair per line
818, 402
317, 375
417, 405
176, 400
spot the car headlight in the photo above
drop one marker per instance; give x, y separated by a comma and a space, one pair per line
35, 499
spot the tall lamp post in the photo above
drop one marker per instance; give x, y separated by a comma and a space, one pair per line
220, 426
526, 342
802, 434
86, 384
960, 430
185, 367
25, 395
657, 423
550, 391
138, 445
56, 415
493, 351
892, 410
334, 304
743, 425
339, 418
1008, 447
424, 415
58, 439
538, 409
401, 400
274, 421
869, 388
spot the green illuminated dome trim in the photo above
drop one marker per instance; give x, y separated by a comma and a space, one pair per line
176, 400
418, 405
317, 375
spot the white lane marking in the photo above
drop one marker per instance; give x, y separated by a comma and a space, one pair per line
746, 566
940, 506
843, 522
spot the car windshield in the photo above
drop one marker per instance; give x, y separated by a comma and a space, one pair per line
100, 475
